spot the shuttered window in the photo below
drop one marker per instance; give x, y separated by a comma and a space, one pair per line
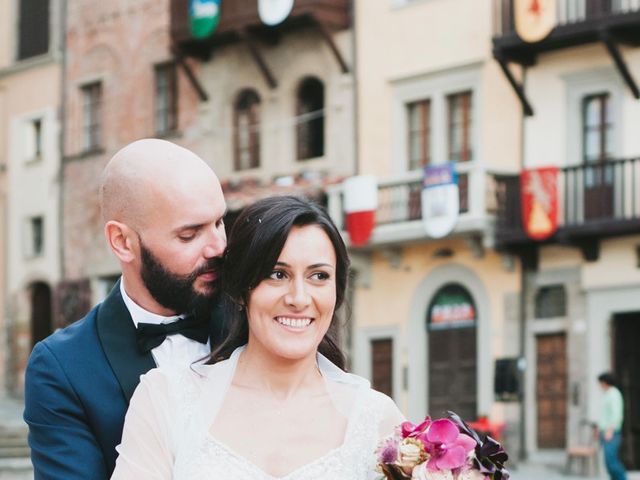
33, 28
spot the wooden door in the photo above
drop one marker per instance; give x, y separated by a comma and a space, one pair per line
452, 372
382, 365
598, 191
626, 360
551, 390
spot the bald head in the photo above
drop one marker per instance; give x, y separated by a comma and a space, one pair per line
145, 171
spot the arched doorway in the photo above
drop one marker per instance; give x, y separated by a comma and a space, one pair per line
451, 331
40, 312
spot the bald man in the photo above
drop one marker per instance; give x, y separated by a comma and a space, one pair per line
163, 212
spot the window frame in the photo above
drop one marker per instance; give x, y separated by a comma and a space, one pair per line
424, 133
436, 87
253, 111
92, 115
19, 49
165, 112
605, 126
466, 124
315, 126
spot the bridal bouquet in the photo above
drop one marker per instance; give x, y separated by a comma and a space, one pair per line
442, 449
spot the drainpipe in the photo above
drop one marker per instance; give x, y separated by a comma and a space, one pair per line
522, 454
61, 136
354, 73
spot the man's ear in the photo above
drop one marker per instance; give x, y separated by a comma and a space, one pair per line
119, 237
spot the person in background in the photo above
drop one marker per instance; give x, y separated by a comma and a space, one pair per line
610, 425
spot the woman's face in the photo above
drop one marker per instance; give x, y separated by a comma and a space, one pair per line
290, 311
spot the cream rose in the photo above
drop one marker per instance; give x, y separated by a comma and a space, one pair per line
421, 472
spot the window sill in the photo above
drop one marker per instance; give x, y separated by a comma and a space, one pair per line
33, 160
169, 134
94, 152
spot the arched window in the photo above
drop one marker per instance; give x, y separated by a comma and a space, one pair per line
451, 326
246, 130
310, 112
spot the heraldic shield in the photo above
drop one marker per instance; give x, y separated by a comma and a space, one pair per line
539, 190
534, 19
440, 200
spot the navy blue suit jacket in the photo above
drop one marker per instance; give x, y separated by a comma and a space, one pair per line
77, 389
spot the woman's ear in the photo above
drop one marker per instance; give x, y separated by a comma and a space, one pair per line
119, 237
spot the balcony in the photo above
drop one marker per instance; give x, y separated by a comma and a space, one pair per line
399, 213
240, 17
595, 201
578, 22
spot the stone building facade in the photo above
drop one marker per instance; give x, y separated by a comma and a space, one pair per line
30, 74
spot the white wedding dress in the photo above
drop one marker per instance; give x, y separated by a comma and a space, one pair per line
167, 428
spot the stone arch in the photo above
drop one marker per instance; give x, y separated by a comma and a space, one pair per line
417, 348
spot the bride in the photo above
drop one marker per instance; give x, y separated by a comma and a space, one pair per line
273, 401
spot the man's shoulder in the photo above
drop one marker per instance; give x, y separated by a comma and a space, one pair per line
78, 333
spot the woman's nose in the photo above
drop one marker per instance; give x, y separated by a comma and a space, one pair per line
297, 296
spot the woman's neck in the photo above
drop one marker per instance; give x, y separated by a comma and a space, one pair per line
282, 377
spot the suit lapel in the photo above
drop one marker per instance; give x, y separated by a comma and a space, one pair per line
117, 335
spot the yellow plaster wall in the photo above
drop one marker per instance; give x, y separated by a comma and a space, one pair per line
389, 297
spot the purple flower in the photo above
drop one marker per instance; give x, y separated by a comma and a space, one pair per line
387, 451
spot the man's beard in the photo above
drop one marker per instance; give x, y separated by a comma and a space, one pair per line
177, 292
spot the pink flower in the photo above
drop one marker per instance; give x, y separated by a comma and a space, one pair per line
447, 447
408, 429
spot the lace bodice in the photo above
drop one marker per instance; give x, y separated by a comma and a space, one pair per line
159, 444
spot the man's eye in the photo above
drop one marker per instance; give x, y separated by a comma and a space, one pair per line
187, 237
277, 275
220, 223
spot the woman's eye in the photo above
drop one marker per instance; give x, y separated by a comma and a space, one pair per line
320, 276
277, 275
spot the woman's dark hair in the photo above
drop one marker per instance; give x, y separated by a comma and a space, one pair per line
608, 378
255, 242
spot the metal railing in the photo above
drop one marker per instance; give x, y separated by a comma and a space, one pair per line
399, 198
567, 11
596, 194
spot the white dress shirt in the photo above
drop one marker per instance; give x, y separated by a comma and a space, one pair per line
176, 349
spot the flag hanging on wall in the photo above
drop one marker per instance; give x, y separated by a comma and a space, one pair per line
534, 19
273, 12
440, 200
539, 191
204, 16
360, 204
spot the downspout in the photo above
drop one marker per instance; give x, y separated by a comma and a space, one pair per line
61, 136
354, 70
522, 454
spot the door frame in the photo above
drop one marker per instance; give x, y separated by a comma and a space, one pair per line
417, 348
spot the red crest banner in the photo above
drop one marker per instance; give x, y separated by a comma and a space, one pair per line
539, 190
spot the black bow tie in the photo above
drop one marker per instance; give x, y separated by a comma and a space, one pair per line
150, 335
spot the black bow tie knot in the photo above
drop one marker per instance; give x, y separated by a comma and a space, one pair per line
151, 335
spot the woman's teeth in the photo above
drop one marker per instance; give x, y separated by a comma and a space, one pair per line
294, 322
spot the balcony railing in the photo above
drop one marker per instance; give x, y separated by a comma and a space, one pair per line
398, 217
595, 200
577, 22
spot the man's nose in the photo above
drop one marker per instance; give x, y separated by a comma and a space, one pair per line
297, 296
216, 243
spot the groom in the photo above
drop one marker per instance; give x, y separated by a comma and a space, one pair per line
163, 210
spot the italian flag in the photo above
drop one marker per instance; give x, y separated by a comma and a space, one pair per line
360, 204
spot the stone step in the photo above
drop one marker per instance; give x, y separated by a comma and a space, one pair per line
16, 468
15, 452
